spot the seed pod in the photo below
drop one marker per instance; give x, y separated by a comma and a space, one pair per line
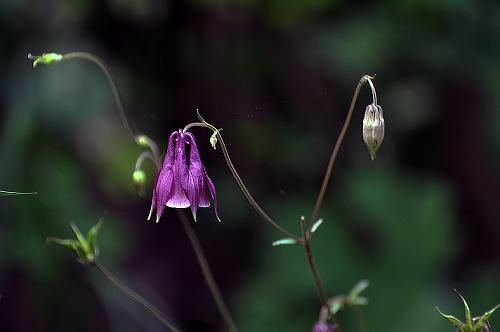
373, 128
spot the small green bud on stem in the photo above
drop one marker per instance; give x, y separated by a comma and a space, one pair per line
139, 181
45, 58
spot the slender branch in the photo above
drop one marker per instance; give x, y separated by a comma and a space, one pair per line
359, 318
340, 139
312, 265
207, 274
134, 296
143, 156
112, 82
15, 193
240, 183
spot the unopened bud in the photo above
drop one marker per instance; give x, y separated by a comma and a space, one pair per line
213, 138
373, 128
139, 180
45, 58
142, 141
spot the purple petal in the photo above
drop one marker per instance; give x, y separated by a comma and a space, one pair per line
163, 190
153, 204
197, 170
177, 198
194, 156
169, 156
192, 190
204, 198
212, 192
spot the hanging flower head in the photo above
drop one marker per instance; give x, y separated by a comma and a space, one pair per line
373, 128
182, 182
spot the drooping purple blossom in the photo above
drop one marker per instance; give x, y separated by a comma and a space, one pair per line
323, 327
182, 183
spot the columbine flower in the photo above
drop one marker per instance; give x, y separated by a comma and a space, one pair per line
181, 183
373, 128
323, 327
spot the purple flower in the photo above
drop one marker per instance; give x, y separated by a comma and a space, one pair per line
323, 327
182, 182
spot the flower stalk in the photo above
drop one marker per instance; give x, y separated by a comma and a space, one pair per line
86, 249
53, 58
207, 273
338, 144
238, 179
155, 312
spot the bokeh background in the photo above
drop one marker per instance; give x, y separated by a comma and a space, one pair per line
278, 76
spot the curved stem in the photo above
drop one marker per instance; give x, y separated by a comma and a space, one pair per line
240, 183
112, 82
207, 274
134, 296
143, 156
336, 148
312, 265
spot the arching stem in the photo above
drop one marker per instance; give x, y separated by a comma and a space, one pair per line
136, 297
112, 82
240, 183
336, 148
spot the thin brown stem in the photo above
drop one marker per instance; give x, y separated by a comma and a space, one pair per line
336, 148
312, 265
241, 185
359, 318
112, 82
207, 273
136, 297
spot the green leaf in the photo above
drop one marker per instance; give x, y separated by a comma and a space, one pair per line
286, 241
357, 290
316, 225
79, 235
453, 320
336, 306
15, 193
480, 323
71, 244
360, 300
92, 240
468, 316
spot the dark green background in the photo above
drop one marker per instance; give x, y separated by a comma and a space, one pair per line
278, 76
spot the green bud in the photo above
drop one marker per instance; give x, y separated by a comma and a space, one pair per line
139, 180
373, 128
45, 58
143, 141
213, 138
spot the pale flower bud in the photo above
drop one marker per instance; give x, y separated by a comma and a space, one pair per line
139, 180
373, 128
